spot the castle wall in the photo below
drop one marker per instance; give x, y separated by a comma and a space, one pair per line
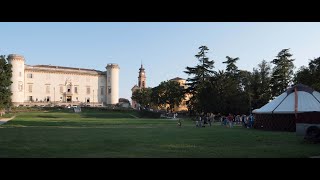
46, 83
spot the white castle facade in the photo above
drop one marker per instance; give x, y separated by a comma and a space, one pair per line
44, 84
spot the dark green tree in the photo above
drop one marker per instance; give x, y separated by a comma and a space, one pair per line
303, 76
309, 75
202, 71
168, 92
243, 99
237, 83
142, 96
231, 68
260, 85
157, 97
197, 77
5, 82
282, 72
214, 93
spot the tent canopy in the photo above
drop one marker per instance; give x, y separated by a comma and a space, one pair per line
308, 100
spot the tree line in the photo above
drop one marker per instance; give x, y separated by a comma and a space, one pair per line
5, 82
231, 90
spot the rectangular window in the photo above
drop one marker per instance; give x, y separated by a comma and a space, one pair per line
30, 98
88, 90
101, 90
76, 90
69, 88
29, 75
109, 90
20, 86
48, 89
30, 87
61, 89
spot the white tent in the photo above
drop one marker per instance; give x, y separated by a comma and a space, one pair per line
307, 101
299, 104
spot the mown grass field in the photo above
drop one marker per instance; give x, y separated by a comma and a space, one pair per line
118, 134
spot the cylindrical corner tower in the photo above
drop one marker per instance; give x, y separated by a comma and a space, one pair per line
112, 83
17, 86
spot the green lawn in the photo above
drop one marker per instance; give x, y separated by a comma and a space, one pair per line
116, 134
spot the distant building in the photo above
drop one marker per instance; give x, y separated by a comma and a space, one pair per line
125, 103
44, 84
184, 104
141, 85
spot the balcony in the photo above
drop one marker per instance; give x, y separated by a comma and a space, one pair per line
68, 93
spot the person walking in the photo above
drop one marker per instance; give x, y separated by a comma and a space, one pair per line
230, 120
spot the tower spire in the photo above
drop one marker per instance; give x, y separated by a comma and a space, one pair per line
142, 77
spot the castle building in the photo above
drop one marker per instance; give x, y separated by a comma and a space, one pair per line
44, 84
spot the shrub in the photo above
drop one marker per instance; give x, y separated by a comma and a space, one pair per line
149, 114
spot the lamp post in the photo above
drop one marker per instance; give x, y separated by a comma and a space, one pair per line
93, 97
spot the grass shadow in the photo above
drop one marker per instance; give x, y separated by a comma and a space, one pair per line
105, 115
47, 116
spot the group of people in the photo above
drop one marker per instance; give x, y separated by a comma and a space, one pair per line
229, 120
202, 120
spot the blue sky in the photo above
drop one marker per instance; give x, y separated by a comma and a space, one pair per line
165, 48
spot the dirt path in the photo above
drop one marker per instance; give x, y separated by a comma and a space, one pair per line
4, 120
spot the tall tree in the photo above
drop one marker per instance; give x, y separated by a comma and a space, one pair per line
231, 69
243, 98
255, 89
198, 75
282, 72
202, 71
237, 83
5, 82
260, 85
232, 72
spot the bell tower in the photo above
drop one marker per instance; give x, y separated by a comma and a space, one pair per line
142, 78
